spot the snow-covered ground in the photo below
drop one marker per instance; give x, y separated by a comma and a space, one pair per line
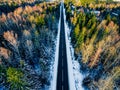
75, 77
69, 58
54, 67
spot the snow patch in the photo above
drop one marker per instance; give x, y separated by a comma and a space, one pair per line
75, 77
69, 58
55, 66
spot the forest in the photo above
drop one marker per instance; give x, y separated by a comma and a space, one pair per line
30, 38
27, 43
96, 42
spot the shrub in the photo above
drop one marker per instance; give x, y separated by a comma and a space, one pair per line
115, 20
76, 32
108, 18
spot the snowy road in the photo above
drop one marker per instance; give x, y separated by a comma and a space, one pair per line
62, 75
65, 77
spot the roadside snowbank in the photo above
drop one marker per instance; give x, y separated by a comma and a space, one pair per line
75, 77
69, 58
55, 66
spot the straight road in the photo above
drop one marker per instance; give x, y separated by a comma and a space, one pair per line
62, 74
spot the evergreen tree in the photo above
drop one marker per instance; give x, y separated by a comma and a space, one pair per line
15, 78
